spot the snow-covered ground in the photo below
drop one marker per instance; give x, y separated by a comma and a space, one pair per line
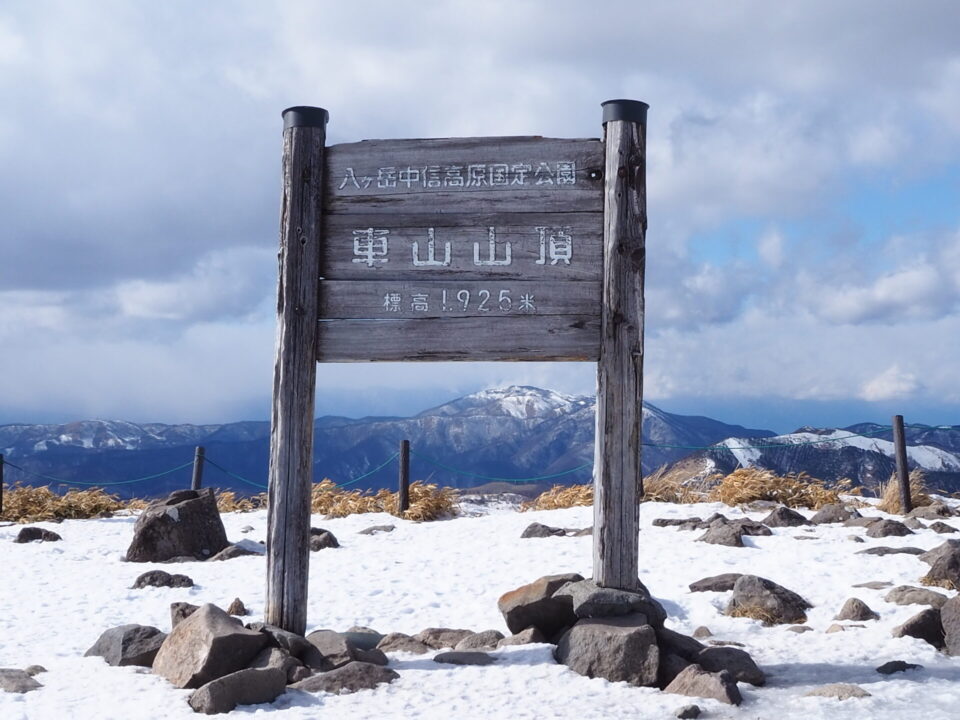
56, 599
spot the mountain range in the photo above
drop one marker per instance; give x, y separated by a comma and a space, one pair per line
506, 437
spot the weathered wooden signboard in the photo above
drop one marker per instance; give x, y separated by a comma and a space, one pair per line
513, 248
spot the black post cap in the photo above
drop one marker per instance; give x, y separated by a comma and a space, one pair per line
305, 116
628, 110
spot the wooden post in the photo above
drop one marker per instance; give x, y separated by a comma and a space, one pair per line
197, 480
295, 371
403, 492
618, 485
903, 474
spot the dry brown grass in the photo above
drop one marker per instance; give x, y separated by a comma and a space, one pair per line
756, 613
24, 503
890, 493
745, 485
941, 583
561, 496
427, 501
228, 501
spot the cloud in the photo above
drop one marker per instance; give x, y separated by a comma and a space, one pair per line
892, 384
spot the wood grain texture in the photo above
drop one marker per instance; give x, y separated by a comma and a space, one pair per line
468, 236
617, 479
497, 174
294, 380
511, 338
903, 472
495, 301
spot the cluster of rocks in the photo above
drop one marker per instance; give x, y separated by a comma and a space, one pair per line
539, 530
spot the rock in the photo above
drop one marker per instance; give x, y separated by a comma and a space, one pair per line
925, 625
950, 622
715, 519
670, 641
34, 534
723, 534
205, 646
17, 681
335, 648
855, 538
590, 600
888, 528
128, 645
250, 686
944, 549
833, 514
298, 674
179, 611
670, 666
861, 521
894, 666
874, 584
914, 524
186, 523
273, 657
234, 551
237, 608
372, 656
716, 583
694, 681
398, 642
784, 517
612, 648
751, 527
160, 578
582, 532
881, 550
945, 572
374, 529
441, 638
735, 661
296, 645
840, 691
856, 610
909, 595
486, 640
800, 629
934, 511
835, 628
702, 632
538, 530
688, 712
765, 600
33, 670
524, 637
534, 605
348, 679
942, 528
247, 528
457, 657
675, 522
363, 638
321, 539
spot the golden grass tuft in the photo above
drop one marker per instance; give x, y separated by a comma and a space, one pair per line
673, 485
561, 496
745, 485
25, 503
945, 583
228, 501
427, 501
756, 613
890, 493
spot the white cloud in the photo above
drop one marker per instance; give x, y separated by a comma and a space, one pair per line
892, 384
770, 248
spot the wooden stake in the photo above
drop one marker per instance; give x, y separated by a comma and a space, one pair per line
903, 473
295, 371
403, 492
617, 481
197, 479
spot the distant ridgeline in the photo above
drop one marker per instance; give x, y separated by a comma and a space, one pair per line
517, 436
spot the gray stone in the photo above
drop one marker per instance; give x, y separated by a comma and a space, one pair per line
909, 595
464, 657
17, 681
925, 626
723, 534
784, 517
294, 644
840, 691
694, 681
274, 657
298, 674
687, 712
948, 547
582, 532
539, 530
186, 523
833, 514
914, 524
765, 600
336, 649
205, 646
934, 511
857, 610
374, 529
670, 666
128, 645
888, 528
950, 622
179, 611
399, 642
244, 687
942, 528
613, 648
751, 527
36, 534
534, 605
234, 551
590, 600
372, 656
676, 522
161, 578
348, 679
874, 584
363, 638
33, 670
442, 638
861, 521
321, 539
882, 550
894, 666
525, 637
702, 632
670, 641
855, 538
800, 629
486, 640
735, 661
716, 583
945, 572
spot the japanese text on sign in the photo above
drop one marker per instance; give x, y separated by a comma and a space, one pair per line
461, 177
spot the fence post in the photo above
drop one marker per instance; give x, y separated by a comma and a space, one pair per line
903, 474
197, 480
403, 492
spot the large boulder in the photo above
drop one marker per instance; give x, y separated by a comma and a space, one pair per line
934, 511
250, 686
348, 679
856, 610
735, 661
888, 528
186, 523
765, 600
128, 645
694, 681
909, 595
723, 534
784, 517
534, 605
949, 547
924, 626
950, 621
591, 600
945, 572
205, 646
612, 648
833, 514
716, 583
336, 649
400, 642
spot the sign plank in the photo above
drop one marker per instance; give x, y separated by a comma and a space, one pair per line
475, 339
545, 246
494, 301
434, 176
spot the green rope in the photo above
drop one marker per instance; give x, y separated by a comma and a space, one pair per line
233, 474
381, 466
500, 479
95, 484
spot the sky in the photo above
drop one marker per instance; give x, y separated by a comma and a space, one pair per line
803, 250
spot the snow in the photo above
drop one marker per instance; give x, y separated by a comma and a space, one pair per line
58, 597
742, 451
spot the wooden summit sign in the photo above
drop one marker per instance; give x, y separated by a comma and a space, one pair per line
513, 248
